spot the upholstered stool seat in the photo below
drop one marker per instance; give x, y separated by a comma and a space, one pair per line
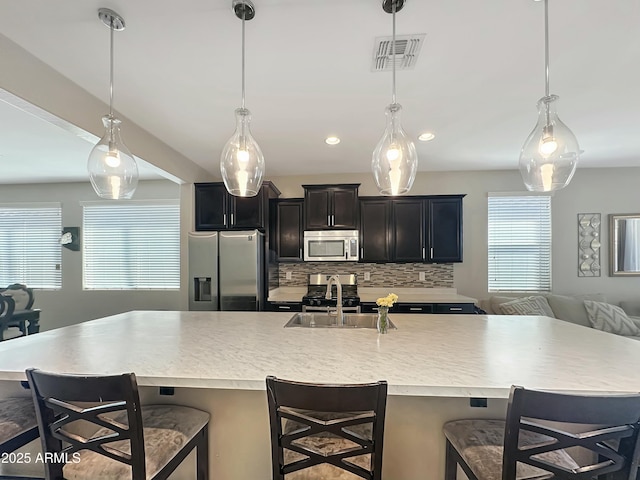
166, 430
480, 444
18, 424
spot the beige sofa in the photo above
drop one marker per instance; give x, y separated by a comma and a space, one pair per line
571, 308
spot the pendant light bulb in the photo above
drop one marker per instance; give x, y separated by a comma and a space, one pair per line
550, 153
113, 171
395, 161
241, 161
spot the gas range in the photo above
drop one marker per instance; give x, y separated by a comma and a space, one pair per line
315, 299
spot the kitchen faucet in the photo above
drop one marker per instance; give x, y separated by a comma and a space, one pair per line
336, 279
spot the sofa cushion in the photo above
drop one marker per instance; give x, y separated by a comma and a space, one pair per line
631, 307
534, 305
610, 318
571, 308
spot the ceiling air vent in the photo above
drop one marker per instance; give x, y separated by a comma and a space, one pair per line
407, 51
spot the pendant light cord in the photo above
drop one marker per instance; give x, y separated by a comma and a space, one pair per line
243, 20
546, 57
546, 47
393, 52
111, 27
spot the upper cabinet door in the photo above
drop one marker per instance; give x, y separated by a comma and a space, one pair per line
375, 235
331, 206
408, 232
316, 209
445, 229
211, 206
345, 208
247, 212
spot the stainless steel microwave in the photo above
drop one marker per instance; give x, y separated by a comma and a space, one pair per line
331, 246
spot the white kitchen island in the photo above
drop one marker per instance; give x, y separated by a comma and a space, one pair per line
218, 361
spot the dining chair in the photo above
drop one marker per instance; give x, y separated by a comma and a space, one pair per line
7, 330
549, 435
323, 431
126, 440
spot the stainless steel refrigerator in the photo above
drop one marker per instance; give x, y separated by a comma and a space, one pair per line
226, 270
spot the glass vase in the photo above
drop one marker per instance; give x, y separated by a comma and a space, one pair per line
383, 320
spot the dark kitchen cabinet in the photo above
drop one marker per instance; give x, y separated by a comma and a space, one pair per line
445, 229
422, 308
285, 306
331, 206
375, 238
216, 209
289, 215
427, 229
408, 230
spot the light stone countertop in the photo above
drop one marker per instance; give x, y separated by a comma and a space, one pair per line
370, 294
428, 355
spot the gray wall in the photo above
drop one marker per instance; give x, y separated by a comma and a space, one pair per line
602, 191
71, 304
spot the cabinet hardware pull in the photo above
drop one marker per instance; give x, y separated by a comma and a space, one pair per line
455, 309
329, 220
224, 219
361, 253
431, 253
423, 253
415, 309
232, 219
333, 220
300, 253
284, 307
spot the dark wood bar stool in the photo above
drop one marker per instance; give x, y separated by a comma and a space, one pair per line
531, 445
323, 431
18, 426
131, 442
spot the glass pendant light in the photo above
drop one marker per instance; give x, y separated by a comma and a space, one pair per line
112, 169
242, 162
550, 154
395, 161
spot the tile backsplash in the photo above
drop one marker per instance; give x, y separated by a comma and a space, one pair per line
381, 274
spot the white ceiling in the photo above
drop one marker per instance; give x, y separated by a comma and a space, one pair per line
308, 67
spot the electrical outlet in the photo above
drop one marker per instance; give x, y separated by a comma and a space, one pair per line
367, 276
421, 276
288, 275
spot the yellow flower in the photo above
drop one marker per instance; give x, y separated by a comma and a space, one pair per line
387, 301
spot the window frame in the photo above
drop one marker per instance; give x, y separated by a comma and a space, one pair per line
98, 281
537, 250
30, 232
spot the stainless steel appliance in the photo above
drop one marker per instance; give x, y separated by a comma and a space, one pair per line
226, 270
331, 245
315, 300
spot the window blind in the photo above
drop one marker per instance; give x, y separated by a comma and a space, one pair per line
133, 245
519, 243
30, 251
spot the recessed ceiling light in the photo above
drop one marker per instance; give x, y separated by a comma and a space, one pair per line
426, 136
332, 140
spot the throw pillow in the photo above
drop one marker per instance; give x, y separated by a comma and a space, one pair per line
610, 318
534, 305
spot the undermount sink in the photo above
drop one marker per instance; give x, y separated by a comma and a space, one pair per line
323, 320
